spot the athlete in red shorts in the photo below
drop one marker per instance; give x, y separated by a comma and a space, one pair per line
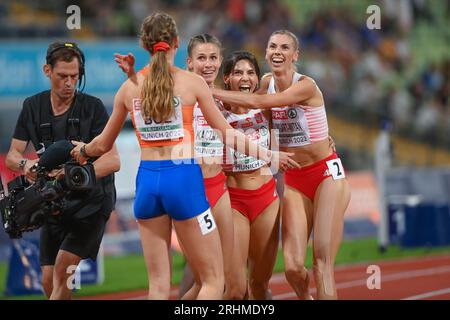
254, 199
317, 195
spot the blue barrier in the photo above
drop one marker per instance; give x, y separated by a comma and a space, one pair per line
415, 224
24, 271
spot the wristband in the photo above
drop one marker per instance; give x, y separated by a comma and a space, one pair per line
22, 164
83, 152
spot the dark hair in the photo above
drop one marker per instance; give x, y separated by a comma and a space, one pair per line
230, 62
65, 51
203, 38
157, 91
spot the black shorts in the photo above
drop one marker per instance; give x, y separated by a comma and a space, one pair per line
81, 237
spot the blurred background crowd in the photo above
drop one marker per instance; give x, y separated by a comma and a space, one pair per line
396, 77
400, 72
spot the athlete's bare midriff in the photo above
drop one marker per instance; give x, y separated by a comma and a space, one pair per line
249, 180
309, 154
178, 151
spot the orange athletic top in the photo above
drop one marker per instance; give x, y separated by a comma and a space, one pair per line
171, 132
144, 70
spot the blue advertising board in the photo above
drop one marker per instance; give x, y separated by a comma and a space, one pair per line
21, 65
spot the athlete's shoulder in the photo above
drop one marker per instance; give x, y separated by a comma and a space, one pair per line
306, 79
185, 74
191, 79
267, 76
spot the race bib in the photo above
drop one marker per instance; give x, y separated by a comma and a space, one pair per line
207, 140
256, 127
292, 126
206, 222
150, 130
336, 169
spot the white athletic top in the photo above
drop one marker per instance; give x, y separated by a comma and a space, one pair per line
298, 125
254, 125
207, 142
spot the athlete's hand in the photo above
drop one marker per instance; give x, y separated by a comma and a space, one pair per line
76, 153
126, 63
282, 161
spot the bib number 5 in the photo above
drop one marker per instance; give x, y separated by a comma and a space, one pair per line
206, 222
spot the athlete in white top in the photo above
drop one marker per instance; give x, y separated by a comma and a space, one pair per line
316, 195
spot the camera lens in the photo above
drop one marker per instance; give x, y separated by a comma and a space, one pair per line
78, 177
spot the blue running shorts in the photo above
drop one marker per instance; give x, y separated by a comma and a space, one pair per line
174, 187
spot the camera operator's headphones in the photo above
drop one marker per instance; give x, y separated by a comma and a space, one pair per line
71, 46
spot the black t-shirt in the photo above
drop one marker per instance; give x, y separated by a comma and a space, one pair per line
93, 116
92, 119
59, 125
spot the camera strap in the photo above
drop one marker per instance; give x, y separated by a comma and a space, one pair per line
73, 126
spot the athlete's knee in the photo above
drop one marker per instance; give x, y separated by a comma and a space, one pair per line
322, 265
295, 268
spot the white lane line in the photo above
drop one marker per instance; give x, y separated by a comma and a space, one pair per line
384, 278
428, 294
280, 277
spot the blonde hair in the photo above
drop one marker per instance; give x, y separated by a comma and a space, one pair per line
157, 91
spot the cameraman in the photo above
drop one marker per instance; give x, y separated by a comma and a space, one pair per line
63, 112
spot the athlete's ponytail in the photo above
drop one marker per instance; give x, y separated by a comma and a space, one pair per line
158, 34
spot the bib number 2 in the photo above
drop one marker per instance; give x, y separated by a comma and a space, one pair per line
206, 222
336, 169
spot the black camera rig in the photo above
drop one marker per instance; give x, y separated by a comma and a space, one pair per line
27, 206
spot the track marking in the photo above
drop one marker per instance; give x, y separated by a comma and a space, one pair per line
428, 294
385, 278
279, 278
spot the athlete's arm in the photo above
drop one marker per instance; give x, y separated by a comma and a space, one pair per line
231, 137
105, 141
299, 92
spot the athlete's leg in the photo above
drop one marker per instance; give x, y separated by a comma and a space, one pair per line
65, 265
190, 283
155, 238
237, 288
296, 227
331, 200
264, 233
204, 254
224, 219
